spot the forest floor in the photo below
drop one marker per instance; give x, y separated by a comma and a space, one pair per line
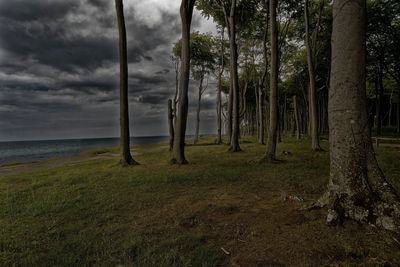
221, 209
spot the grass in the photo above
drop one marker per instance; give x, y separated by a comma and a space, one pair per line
158, 214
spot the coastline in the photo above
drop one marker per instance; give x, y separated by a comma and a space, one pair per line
15, 168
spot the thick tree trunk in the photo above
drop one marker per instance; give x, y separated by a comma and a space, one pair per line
312, 92
273, 97
126, 157
219, 94
357, 187
234, 144
170, 124
196, 137
296, 117
178, 152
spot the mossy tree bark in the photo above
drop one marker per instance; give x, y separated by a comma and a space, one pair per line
357, 187
126, 157
178, 151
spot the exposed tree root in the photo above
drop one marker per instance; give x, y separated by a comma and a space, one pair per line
366, 206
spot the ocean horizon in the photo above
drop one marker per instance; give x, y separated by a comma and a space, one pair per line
42, 150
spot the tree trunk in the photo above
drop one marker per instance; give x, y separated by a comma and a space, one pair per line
170, 124
178, 152
196, 137
261, 114
398, 111
390, 109
312, 92
219, 95
357, 187
126, 157
379, 102
296, 117
273, 97
234, 144
256, 92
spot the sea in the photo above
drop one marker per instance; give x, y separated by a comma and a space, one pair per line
36, 151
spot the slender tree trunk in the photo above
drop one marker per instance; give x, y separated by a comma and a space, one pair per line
170, 124
234, 144
312, 92
273, 97
261, 114
178, 152
126, 157
196, 137
256, 92
261, 99
380, 91
357, 188
219, 95
296, 117
176, 90
390, 109
398, 111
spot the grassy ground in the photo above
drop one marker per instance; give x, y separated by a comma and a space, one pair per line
157, 214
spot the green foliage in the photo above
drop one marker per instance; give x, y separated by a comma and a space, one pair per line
202, 55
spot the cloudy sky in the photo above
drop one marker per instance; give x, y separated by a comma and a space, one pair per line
59, 69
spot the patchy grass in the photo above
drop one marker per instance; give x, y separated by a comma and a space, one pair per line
158, 214
99, 151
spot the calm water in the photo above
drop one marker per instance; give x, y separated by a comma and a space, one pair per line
43, 150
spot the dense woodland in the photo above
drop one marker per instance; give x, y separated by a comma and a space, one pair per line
306, 68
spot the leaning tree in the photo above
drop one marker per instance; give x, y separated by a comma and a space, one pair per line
357, 189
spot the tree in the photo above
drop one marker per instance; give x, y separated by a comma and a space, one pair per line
126, 157
231, 22
219, 93
311, 46
178, 151
202, 60
273, 97
357, 187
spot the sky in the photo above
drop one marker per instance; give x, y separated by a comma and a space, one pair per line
59, 69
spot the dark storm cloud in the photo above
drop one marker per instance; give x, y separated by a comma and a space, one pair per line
59, 70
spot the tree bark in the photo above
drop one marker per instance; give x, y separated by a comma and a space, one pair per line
312, 92
196, 137
398, 111
170, 125
261, 98
357, 187
219, 94
273, 97
126, 157
234, 144
296, 117
178, 151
